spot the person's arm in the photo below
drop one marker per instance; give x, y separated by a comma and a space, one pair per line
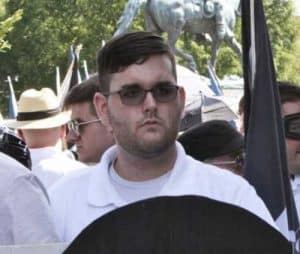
28, 206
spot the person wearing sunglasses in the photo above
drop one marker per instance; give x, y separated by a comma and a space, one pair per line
290, 105
215, 142
85, 129
142, 105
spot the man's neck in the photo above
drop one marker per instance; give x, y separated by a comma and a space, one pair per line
135, 168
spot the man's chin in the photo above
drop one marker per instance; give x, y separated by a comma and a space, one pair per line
153, 149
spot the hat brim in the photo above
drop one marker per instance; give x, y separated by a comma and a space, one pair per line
46, 123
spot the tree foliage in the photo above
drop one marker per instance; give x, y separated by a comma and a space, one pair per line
284, 35
41, 40
7, 26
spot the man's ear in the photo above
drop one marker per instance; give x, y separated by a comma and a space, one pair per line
63, 131
101, 107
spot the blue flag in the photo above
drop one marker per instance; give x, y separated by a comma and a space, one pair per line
214, 83
266, 163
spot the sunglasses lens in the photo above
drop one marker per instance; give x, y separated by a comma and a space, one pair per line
292, 126
73, 126
133, 95
165, 92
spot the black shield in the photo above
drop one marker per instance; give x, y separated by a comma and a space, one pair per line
185, 225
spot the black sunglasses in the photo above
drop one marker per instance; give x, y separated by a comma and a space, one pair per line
292, 126
134, 94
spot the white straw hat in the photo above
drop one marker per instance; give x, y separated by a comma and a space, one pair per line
38, 109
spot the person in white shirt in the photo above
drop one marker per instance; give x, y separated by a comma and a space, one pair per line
290, 105
41, 124
25, 213
142, 105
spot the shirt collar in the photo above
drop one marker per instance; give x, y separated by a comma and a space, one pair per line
101, 192
38, 154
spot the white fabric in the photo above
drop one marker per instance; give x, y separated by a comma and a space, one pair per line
282, 224
296, 190
49, 164
79, 199
134, 191
24, 206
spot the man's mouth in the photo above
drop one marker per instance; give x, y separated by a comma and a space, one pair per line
150, 122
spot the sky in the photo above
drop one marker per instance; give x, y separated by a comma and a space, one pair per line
297, 4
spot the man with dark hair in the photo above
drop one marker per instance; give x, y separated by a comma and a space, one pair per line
290, 105
142, 105
85, 128
215, 142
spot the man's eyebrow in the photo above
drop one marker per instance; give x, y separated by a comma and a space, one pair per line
163, 82
130, 85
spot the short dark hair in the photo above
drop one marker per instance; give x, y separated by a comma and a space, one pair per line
127, 49
211, 139
288, 91
83, 92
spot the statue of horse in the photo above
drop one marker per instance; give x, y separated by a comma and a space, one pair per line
216, 18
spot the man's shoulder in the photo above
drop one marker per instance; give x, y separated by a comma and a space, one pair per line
79, 181
76, 179
60, 163
10, 169
225, 186
207, 170
211, 181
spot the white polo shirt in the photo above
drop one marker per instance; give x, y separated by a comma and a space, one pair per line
80, 198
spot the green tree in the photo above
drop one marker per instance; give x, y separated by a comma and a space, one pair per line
7, 26
42, 38
284, 36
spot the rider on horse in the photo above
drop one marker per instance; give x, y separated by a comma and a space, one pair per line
214, 9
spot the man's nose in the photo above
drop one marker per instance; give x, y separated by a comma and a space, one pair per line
149, 102
71, 136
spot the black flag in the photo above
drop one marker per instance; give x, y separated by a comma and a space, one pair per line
266, 163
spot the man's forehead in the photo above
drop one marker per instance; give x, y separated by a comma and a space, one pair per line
291, 107
145, 70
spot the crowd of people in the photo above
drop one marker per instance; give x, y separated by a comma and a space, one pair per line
122, 126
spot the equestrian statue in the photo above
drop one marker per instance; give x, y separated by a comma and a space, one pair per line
216, 18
